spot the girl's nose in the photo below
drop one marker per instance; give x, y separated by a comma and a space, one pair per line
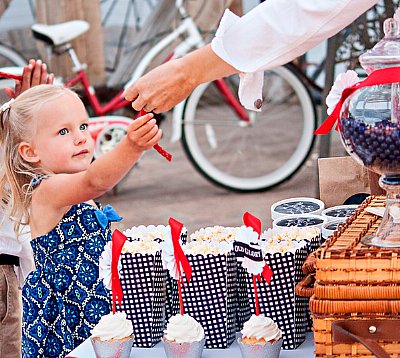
80, 138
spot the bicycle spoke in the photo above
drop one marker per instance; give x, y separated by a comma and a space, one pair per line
240, 157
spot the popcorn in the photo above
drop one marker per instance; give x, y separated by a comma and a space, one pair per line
287, 239
292, 233
151, 233
207, 248
144, 247
280, 246
215, 233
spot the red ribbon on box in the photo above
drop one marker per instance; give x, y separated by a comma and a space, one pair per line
266, 274
382, 76
255, 223
180, 257
118, 241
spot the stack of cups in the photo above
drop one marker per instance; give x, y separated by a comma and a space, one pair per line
300, 212
335, 216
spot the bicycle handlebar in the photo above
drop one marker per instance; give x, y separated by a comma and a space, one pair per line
181, 8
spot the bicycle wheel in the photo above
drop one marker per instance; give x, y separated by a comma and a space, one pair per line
108, 139
11, 61
252, 156
10, 57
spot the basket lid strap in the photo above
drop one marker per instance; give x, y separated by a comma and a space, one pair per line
366, 332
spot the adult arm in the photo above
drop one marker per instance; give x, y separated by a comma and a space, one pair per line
168, 84
273, 33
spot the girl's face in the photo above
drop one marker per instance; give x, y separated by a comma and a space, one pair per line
62, 142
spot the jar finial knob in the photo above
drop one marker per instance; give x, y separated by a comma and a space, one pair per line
391, 27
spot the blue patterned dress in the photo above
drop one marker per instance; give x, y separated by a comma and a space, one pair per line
64, 298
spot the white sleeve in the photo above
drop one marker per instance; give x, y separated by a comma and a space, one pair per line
19, 246
277, 31
26, 260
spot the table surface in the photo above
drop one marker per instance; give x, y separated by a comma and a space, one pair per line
305, 350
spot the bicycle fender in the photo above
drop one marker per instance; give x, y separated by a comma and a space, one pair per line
177, 117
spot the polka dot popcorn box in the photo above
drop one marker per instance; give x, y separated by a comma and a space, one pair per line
278, 299
143, 281
225, 236
158, 234
211, 296
143, 284
280, 238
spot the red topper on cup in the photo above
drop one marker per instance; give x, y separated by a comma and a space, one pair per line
118, 241
249, 253
174, 259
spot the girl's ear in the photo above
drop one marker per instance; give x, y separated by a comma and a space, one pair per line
27, 152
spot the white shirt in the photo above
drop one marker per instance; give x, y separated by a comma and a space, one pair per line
21, 247
277, 31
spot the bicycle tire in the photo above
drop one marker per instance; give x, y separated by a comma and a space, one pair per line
238, 157
11, 61
108, 139
9, 57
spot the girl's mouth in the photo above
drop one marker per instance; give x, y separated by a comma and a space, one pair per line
84, 151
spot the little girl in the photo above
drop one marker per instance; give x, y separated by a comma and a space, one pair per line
47, 175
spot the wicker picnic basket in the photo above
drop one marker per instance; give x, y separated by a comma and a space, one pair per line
356, 293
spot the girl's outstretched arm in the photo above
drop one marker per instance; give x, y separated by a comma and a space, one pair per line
63, 190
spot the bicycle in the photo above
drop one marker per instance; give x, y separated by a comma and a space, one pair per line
234, 148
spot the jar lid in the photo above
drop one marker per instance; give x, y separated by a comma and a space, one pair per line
296, 206
386, 53
329, 227
302, 220
339, 211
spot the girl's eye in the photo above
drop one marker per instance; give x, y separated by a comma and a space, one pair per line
83, 126
63, 131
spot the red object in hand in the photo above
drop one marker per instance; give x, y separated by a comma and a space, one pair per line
157, 147
9, 75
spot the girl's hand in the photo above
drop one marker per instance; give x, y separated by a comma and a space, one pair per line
143, 133
35, 73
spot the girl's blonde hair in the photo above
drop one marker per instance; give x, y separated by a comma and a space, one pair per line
18, 125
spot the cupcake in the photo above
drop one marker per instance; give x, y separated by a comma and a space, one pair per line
112, 337
184, 337
261, 337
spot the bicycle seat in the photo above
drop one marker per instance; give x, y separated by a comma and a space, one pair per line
59, 34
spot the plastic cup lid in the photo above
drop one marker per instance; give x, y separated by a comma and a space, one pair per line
296, 206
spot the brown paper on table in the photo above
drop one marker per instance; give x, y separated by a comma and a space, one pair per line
340, 178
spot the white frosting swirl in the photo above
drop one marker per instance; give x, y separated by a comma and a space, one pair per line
183, 329
113, 326
261, 327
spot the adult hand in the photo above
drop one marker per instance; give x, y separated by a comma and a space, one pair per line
168, 84
35, 73
161, 89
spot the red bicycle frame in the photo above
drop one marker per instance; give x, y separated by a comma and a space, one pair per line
114, 104
118, 101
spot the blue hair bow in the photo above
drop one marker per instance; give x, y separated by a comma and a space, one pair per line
107, 215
